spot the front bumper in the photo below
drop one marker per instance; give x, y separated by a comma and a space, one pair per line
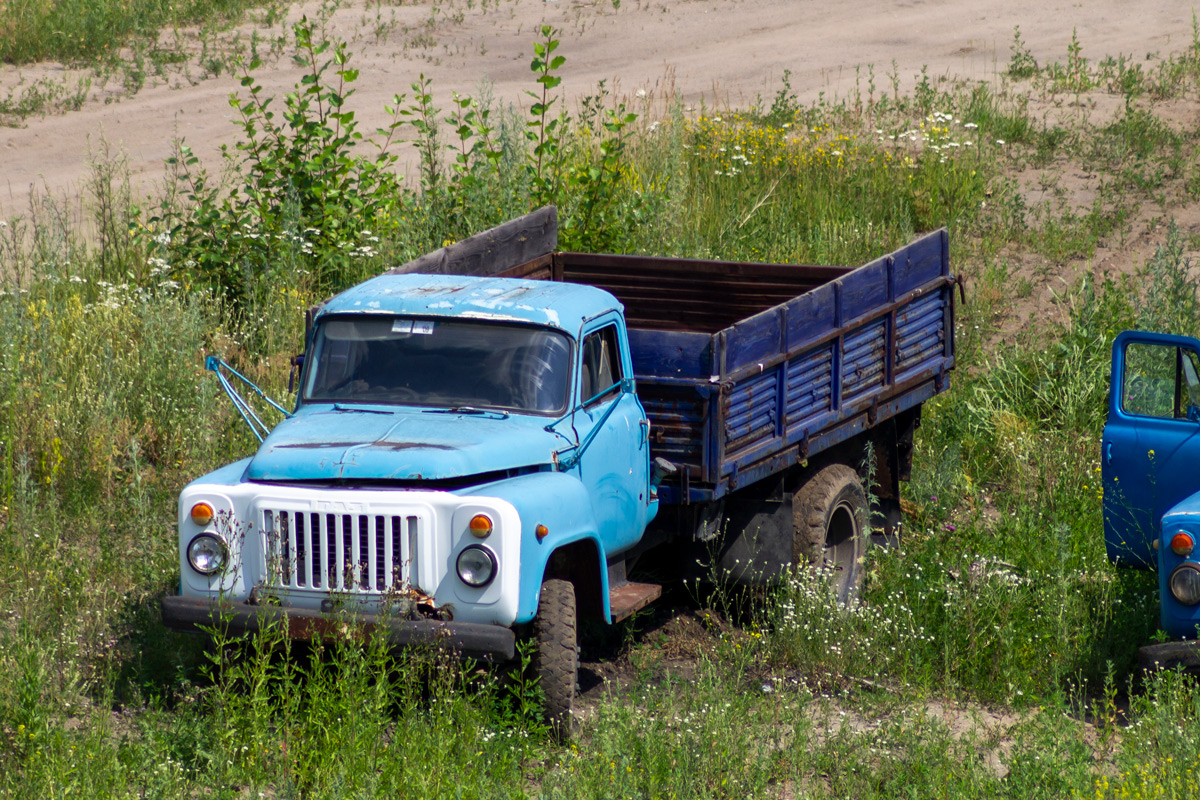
469, 639
1169, 655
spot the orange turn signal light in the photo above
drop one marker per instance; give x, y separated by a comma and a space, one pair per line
481, 525
202, 513
541, 531
1182, 543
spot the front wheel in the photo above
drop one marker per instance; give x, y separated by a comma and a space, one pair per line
556, 662
829, 515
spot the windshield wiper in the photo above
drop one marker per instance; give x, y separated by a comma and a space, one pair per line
357, 410
467, 410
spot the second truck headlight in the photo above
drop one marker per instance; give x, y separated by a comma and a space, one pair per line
1185, 584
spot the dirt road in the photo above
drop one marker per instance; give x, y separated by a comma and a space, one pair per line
724, 53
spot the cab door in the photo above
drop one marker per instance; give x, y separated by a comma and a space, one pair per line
1151, 445
615, 462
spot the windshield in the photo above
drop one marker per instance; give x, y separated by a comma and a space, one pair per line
444, 363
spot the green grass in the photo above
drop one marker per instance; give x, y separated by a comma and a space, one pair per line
993, 653
78, 32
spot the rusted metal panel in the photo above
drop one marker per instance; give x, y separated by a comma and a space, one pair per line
863, 360
920, 331
840, 355
751, 410
678, 414
470, 640
810, 384
627, 599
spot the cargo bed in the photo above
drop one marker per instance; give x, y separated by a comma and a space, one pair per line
746, 369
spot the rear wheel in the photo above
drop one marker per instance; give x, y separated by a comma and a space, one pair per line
829, 515
556, 663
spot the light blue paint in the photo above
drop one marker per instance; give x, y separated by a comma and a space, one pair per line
585, 475
561, 502
615, 465
558, 305
321, 442
228, 475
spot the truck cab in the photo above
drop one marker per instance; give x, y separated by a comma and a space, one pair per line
1149, 453
456, 442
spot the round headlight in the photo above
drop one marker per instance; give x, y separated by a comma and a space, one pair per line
206, 554
1185, 584
476, 566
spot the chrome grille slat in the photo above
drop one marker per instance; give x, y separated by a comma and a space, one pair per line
360, 553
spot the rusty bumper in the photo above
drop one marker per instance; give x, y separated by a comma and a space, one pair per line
469, 639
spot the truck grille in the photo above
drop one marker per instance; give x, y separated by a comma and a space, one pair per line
340, 552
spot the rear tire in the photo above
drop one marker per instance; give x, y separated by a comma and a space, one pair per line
556, 662
829, 514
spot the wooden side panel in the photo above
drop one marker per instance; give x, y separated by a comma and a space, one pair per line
810, 384
921, 262
678, 423
864, 359
690, 294
673, 371
836, 360
865, 290
494, 251
671, 354
753, 341
752, 410
920, 332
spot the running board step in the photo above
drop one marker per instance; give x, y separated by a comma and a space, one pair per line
628, 598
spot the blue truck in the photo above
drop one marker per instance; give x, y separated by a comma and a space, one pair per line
1151, 505
486, 441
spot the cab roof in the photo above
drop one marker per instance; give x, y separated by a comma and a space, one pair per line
558, 305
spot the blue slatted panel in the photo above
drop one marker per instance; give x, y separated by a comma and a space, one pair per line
753, 407
863, 359
920, 332
810, 384
677, 424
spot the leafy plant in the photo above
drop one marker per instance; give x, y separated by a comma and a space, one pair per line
544, 131
309, 209
1021, 63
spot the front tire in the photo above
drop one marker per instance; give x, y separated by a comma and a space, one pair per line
829, 515
556, 662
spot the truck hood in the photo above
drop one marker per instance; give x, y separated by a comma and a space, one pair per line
331, 443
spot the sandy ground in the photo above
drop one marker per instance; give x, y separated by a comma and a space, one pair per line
724, 53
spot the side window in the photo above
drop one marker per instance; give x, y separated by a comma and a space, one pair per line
1190, 363
1161, 381
601, 363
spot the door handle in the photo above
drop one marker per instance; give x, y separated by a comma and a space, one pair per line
645, 425
1108, 452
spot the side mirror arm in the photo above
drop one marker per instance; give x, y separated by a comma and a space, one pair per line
259, 428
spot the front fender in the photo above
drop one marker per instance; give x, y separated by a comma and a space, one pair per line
1176, 618
560, 502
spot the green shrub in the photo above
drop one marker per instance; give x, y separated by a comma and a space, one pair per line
309, 212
